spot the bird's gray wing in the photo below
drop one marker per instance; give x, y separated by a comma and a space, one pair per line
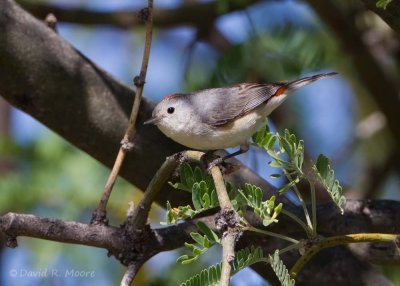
220, 106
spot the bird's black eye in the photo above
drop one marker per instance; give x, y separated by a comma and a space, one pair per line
170, 110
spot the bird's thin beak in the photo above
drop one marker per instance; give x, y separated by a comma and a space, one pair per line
153, 120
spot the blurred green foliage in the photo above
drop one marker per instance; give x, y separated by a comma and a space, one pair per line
52, 178
383, 3
283, 53
49, 177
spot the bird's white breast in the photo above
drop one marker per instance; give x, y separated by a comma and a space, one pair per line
200, 136
203, 137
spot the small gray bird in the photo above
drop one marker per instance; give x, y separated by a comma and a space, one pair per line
219, 118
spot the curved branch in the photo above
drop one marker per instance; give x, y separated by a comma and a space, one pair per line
330, 242
130, 274
193, 13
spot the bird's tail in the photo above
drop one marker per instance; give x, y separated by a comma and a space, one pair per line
306, 80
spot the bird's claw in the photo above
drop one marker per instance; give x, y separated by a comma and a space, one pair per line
214, 163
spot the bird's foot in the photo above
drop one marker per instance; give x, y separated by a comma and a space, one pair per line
216, 162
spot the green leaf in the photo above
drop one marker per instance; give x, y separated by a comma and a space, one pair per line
185, 259
198, 174
196, 251
203, 243
265, 210
186, 175
286, 145
196, 196
289, 156
246, 257
275, 164
280, 270
288, 186
179, 213
212, 236
182, 258
179, 186
214, 198
264, 138
257, 137
269, 141
197, 237
211, 275
326, 176
276, 176
206, 201
383, 4
200, 184
322, 166
207, 277
170, 216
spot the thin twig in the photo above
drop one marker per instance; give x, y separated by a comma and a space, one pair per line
223, 198
296, 219
130, 274
302, 202
99, 216
138, 219
228, 254
290, 248
313, 209
231, 222
273, 234
340, 240
51, 22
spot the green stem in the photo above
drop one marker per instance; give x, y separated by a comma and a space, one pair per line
340, 240
313, 209
306, 228
290, 248
273, 234
303, 204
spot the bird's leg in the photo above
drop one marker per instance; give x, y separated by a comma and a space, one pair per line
243, 149
209, 157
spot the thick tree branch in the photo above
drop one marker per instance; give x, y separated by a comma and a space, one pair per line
45, 77
14, 225
192, 13
391, 15
368, 217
